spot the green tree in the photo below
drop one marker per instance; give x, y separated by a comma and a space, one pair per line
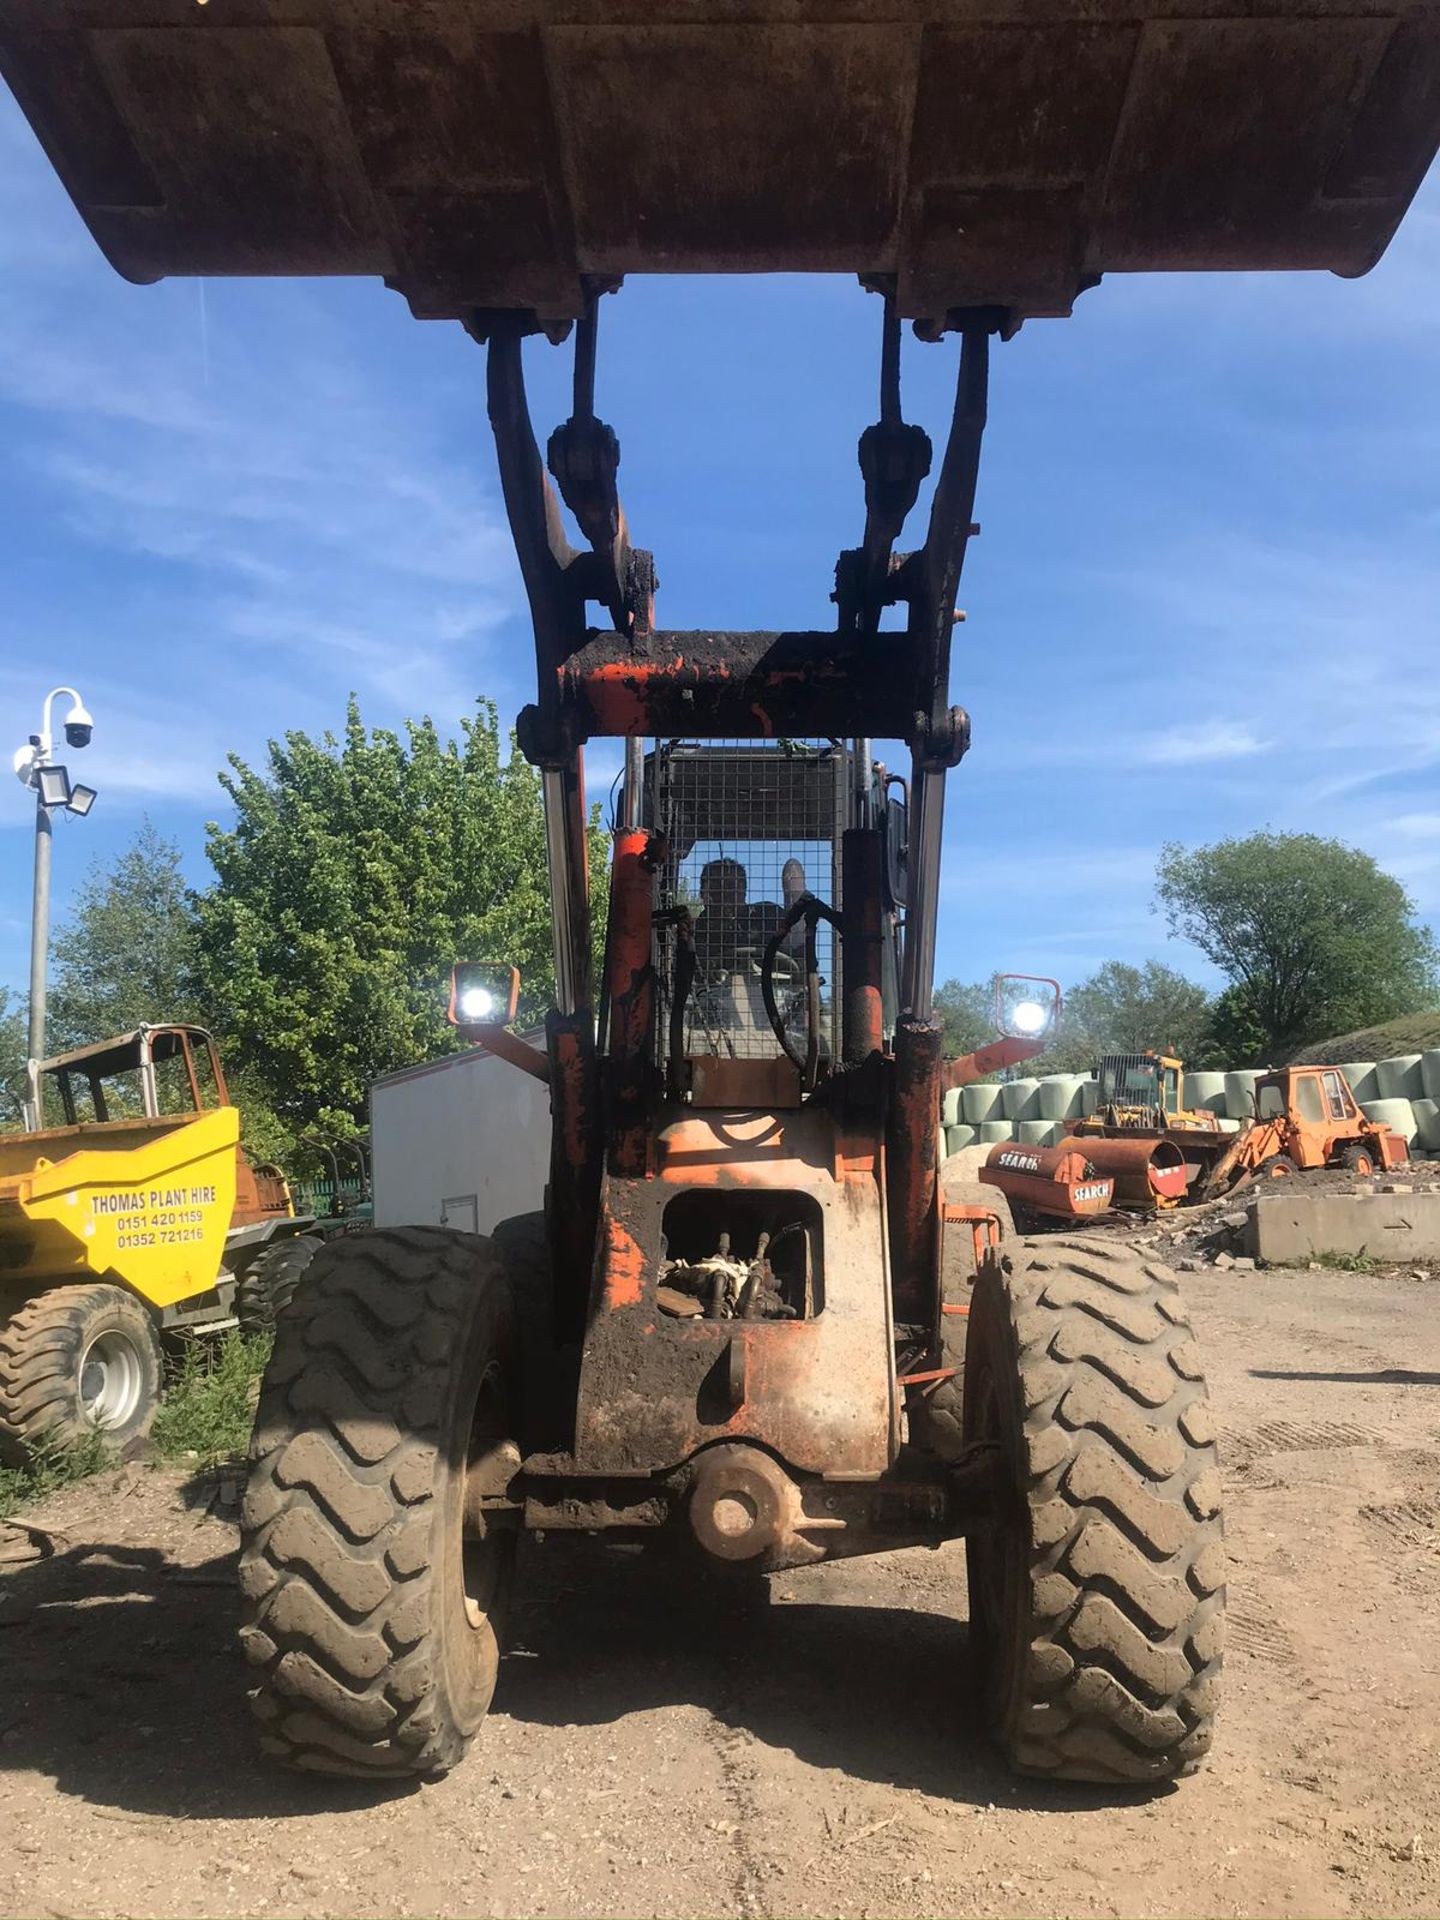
1235, 1037
966, 1015
12, 1062
1319, 938
357, 871
1125, 1009
127, 953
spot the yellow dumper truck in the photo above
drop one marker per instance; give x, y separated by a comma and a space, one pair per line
138, 1214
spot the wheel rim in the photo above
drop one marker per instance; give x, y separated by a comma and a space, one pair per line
484, 1548
1280, 1172
112, 1380
996, 1553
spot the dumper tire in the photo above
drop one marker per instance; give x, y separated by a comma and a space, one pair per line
1097, 1590
373, 1627
74, 1362
938, 1409
268, 1284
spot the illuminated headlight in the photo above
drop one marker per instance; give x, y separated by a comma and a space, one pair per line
477, 1003
1028, 1016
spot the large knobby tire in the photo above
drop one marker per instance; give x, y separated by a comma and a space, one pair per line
1097, 1593
1278, 1167
372, 1617
74, 1362
268, 1284
938, 1419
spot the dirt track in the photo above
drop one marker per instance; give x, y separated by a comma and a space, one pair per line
654, 1752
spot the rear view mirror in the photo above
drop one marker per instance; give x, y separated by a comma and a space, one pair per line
1027, 1006
483, 996
897, 851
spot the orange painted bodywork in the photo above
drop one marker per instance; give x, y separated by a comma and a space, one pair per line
818, 1391
1302, 1139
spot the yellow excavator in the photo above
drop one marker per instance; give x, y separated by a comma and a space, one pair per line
505, 164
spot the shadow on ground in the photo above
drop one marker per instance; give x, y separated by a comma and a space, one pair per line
1378, 1377
878, 1692
124, 1684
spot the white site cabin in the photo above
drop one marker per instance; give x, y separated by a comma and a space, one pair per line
461, 1142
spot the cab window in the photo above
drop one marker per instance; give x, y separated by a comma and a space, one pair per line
1335, 1096
1272, 1102
1307, 1098
1172, 1090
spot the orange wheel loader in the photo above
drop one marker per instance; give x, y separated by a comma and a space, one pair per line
759, 1288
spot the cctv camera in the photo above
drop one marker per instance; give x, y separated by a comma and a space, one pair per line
78, 732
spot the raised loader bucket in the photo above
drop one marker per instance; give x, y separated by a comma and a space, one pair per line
491, 153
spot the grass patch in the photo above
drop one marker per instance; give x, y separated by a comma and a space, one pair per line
1346, 1262
52, 1469
205, 1416
1411, 1033
209, 1404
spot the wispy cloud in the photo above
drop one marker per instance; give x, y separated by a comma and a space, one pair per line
299, 513
1205, 740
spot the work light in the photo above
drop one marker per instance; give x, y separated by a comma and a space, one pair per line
54, 784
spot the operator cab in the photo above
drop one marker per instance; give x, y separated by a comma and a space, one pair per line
751, 832
1317, 1096
1147, 1081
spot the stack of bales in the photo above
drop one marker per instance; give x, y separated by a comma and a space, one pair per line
1403, 1093
1038, 1112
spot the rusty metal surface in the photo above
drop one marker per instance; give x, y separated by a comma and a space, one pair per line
1147, 1171
572, 1201
631, 992
770, 1084
910, 1169
862, 944
492, 153
1008, 1051
819, 1390
744, 1506
1055, 1180
715, 685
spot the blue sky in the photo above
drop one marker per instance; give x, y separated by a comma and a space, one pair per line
1205, 600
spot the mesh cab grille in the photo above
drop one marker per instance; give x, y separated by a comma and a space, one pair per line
749, 826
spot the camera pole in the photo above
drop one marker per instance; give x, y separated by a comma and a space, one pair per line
32, 764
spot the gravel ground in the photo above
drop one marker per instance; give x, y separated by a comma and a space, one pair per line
658, 1747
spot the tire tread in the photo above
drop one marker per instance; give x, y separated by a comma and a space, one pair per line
337, 1567
1125, 1554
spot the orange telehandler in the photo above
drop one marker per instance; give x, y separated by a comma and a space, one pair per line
504, 165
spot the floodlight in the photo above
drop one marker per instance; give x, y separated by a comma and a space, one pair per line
54, 783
